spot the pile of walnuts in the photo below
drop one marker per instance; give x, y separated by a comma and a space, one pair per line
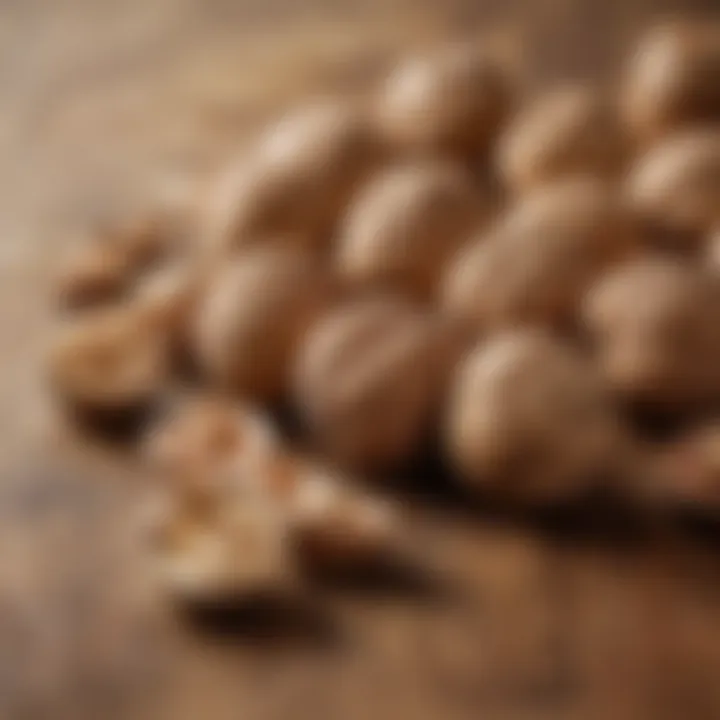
527, 286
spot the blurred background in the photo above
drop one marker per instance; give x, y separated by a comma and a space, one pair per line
99, 101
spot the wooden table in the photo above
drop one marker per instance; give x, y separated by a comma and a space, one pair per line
99, 99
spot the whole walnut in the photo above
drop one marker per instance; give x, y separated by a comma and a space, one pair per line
571, 130
675, 186
452, 101
402, 228
246, 328
671, 80
529, 418
368, 379
535, 264
294, 185
656, 326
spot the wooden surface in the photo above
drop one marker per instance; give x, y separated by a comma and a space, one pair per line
607, 620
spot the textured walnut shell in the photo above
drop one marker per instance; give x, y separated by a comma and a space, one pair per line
671, 80
238, 551
689, 467
93, 275
208, 446
147, 239
366, 382
676, 184
712, 251
567, 131
656, 323
337, 527
162, 231
535, 265
168, 296
108, 359
298, 180
405, 224
246, 328
118, 254
529, 419
453, 101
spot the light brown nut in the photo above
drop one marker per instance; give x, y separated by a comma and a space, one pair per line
119, 252
684, 472
109, 361
675, 186
298, 180
571, 130
656, 323
247, 326
452, 101
529, 419
337, 527
404, 225
696, 460
671, 80
535, 265
210, 448
239, 552
93, 275
367, 381
147, 238
712, 252
169, 296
